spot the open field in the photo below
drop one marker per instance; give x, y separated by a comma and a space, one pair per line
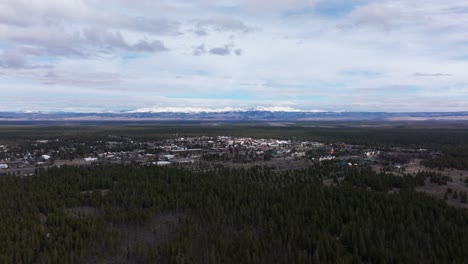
457, 184
433, 189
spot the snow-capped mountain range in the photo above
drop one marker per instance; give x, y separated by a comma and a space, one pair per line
221, 110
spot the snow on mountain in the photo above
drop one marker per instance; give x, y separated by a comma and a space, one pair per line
221, 110
275, 109
184, 110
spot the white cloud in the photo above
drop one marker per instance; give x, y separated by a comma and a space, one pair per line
379, 55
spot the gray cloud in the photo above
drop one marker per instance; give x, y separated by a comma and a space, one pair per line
149, 46
8, 19
12, 60
222, 51
103, 38
414, 15
200, 32
460, 9
88, 42
199, 50
272, 5
377, 14
153, 26
111, 40
47, 42
418, 74
221, 25
85, 79
81, 13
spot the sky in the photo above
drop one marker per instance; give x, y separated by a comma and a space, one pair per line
308, 55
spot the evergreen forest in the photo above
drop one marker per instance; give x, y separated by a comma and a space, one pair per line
148, 214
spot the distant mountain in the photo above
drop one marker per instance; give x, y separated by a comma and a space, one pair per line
228, 114
220, 110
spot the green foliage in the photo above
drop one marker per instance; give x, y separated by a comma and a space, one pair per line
463, 197
225, 216
415, 135
383, 182
455, 156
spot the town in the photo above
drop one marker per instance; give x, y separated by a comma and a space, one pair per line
24, 159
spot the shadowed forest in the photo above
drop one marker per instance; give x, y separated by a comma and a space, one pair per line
251, 215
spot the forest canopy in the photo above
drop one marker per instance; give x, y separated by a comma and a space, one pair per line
114, 213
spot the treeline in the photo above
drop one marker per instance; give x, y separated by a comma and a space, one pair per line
352, 133
225, 215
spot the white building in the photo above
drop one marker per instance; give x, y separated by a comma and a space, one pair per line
162, 163
3, 166
183, 161
169, 157
299, 154
327, 158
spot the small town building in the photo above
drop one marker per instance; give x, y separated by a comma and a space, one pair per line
162, 163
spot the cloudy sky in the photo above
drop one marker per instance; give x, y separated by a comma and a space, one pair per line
333, 55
